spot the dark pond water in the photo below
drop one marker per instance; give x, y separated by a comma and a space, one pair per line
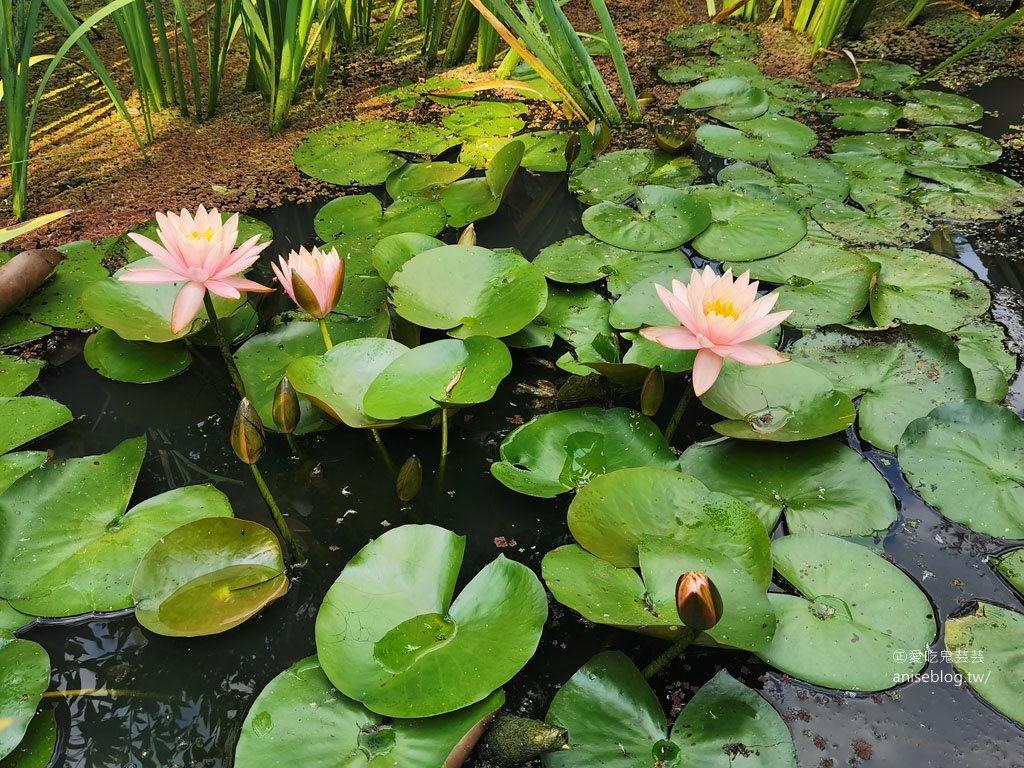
179, 702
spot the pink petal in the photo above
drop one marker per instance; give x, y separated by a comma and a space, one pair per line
230, 287
243, 258
755, 328
680, 311
150, 275
706, 368
186, 305
154, 248
752, 353
671, 336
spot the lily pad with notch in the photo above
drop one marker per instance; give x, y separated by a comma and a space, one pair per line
616, 176
886, 220
423, 179
135, 362
362, 215
954, 147
854, 612
726, 98
563, 451
469, 200
664, 219
982, 348
967, 193
391, 252
747, 224
577, 315
754, 140
486, 118
926, 107
863, 115
388, 632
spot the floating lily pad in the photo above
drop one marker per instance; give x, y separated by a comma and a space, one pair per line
448, 373
390, 253
636, 267
873, 177
954, 146
664, 219
16, 465
724, 40
23, 419
886, 144
388, 633
985, 647
614, 720
876, 77
755, 140
821, 486
982, 347
17, 329
857, 620
612, 515
71, 547
337, 381
864, 115
265, 358
486, 118
779, 403
565, 450
820, 283
1010, 566
900, 374
966, 459
24, 676
469, 291
136, 362
59, 302
355, 152
469, 200
967, 193
577, 315
650, 354
940, 108
808, 180
16, 374
689, 71
207, 577
727, 98
359, 215
640, 305
37, 746
543, 151
301, 718
424, 179
921, 288
747, 225
615, 177
887, 220
578, 259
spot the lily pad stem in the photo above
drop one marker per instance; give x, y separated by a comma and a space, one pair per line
275, 512
444, 446
383, 450
222, 343
677, 415
327, 336
680, 645
292, 445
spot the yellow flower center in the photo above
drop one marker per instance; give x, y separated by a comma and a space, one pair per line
207, 235
722, 307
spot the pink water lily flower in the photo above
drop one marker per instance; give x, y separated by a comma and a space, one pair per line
719, 316
201, 251
313, 279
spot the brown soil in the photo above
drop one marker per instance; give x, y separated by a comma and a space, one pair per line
85, 157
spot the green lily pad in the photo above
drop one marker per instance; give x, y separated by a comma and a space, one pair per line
23, 419
887, 220
636, 267
615, 512
783, 403
821, 486
754, 140
724, 40
615, 177
390, 253
543, 151
982, 348
614, 720
24, 676
301, 718
921, 288
423, 179
337, 381
808, 180
136, 362
355, 152
360, 215
640, 304
37, 745
577, 315
864, 115
446, 373
857, 620
985, 648
469, 291
1010, 565
565, 450
727, 98
954, 146
650, 354
486, 118
747, 225
264, 359
820, 283
16, 375
59, 302
966, 459
16, 465
940, 108
873, 177
70, 547
664, 219
888, 145
967, 193
208, 576
469, 200
142, 312
17, 329
578, 259
388, 633
900, 374
876, 77
689, 71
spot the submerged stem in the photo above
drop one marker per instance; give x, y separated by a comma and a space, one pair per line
383, 450
327, 336
222, 343
275, 512
680, 645
444, 446
677, 415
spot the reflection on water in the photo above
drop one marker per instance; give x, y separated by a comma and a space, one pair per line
180, 702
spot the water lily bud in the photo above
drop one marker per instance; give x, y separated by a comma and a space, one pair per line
646, 99
572, 148
698, 601
653, 392
602, 134
286, 407
468, 236
247, 433
513, 740
410, 478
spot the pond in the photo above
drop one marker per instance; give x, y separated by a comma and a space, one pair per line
126, 696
